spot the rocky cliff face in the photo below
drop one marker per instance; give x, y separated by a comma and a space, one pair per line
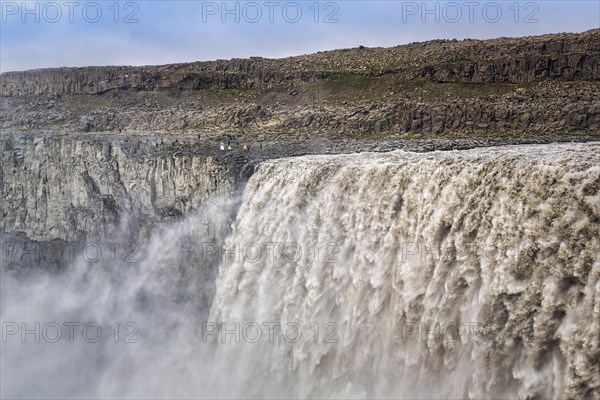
85, 185
63, 190
71, 189
539, 85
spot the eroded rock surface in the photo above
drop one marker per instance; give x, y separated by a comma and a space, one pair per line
71, 189
534, 85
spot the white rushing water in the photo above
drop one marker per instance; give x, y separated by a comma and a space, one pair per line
447, 274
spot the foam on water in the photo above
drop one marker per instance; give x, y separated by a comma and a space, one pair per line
447, 274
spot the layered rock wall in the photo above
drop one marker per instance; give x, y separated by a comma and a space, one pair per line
72, 189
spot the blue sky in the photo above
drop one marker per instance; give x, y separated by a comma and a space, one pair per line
38, 34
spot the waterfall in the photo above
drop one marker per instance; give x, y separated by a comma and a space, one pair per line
462, 274
446, 274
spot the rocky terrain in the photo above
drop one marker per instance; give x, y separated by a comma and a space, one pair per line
71, 187
59, 190
67, 174
103, 156
509, 87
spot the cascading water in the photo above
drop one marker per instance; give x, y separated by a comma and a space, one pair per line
447, 274
126, 315
455, 274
